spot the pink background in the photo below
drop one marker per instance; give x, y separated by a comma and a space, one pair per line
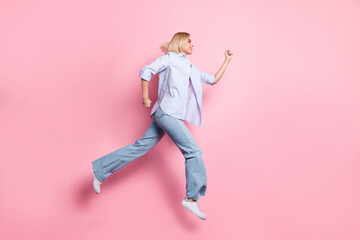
280, 133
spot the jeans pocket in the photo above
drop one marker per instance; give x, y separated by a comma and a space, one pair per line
159, 113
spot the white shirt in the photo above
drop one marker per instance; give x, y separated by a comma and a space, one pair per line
180, 89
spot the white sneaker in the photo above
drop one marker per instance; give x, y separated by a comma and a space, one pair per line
194, 208
96, 182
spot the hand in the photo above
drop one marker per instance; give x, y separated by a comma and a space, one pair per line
146, 102
228, 54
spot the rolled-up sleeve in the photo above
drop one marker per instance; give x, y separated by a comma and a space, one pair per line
156, 66
207, 78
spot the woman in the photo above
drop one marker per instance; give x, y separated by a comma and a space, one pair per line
179, 98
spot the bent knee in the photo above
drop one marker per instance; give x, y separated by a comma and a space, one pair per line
193, 152
146, 144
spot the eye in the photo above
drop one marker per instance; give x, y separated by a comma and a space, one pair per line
189, 40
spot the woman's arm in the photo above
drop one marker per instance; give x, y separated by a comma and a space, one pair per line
218, 75
148, 71
145, 93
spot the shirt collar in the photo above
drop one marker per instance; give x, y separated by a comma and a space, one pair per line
181, 54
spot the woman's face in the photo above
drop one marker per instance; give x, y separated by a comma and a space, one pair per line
188, 46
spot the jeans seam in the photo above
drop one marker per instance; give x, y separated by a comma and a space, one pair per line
131, 152
196, 169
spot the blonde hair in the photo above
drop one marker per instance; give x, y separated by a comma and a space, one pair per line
176, 44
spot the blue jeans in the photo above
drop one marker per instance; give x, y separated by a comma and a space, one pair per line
176, 129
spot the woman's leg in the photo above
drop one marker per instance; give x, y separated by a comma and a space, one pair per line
113, 161
194, 165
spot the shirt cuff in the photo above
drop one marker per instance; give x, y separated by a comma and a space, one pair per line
212, 79
144, 76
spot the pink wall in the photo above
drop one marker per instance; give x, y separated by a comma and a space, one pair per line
280, 133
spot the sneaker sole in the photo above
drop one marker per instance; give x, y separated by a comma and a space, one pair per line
185, 205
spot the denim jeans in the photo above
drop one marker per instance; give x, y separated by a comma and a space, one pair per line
176, 129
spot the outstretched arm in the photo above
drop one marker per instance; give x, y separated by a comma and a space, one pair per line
218, 75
